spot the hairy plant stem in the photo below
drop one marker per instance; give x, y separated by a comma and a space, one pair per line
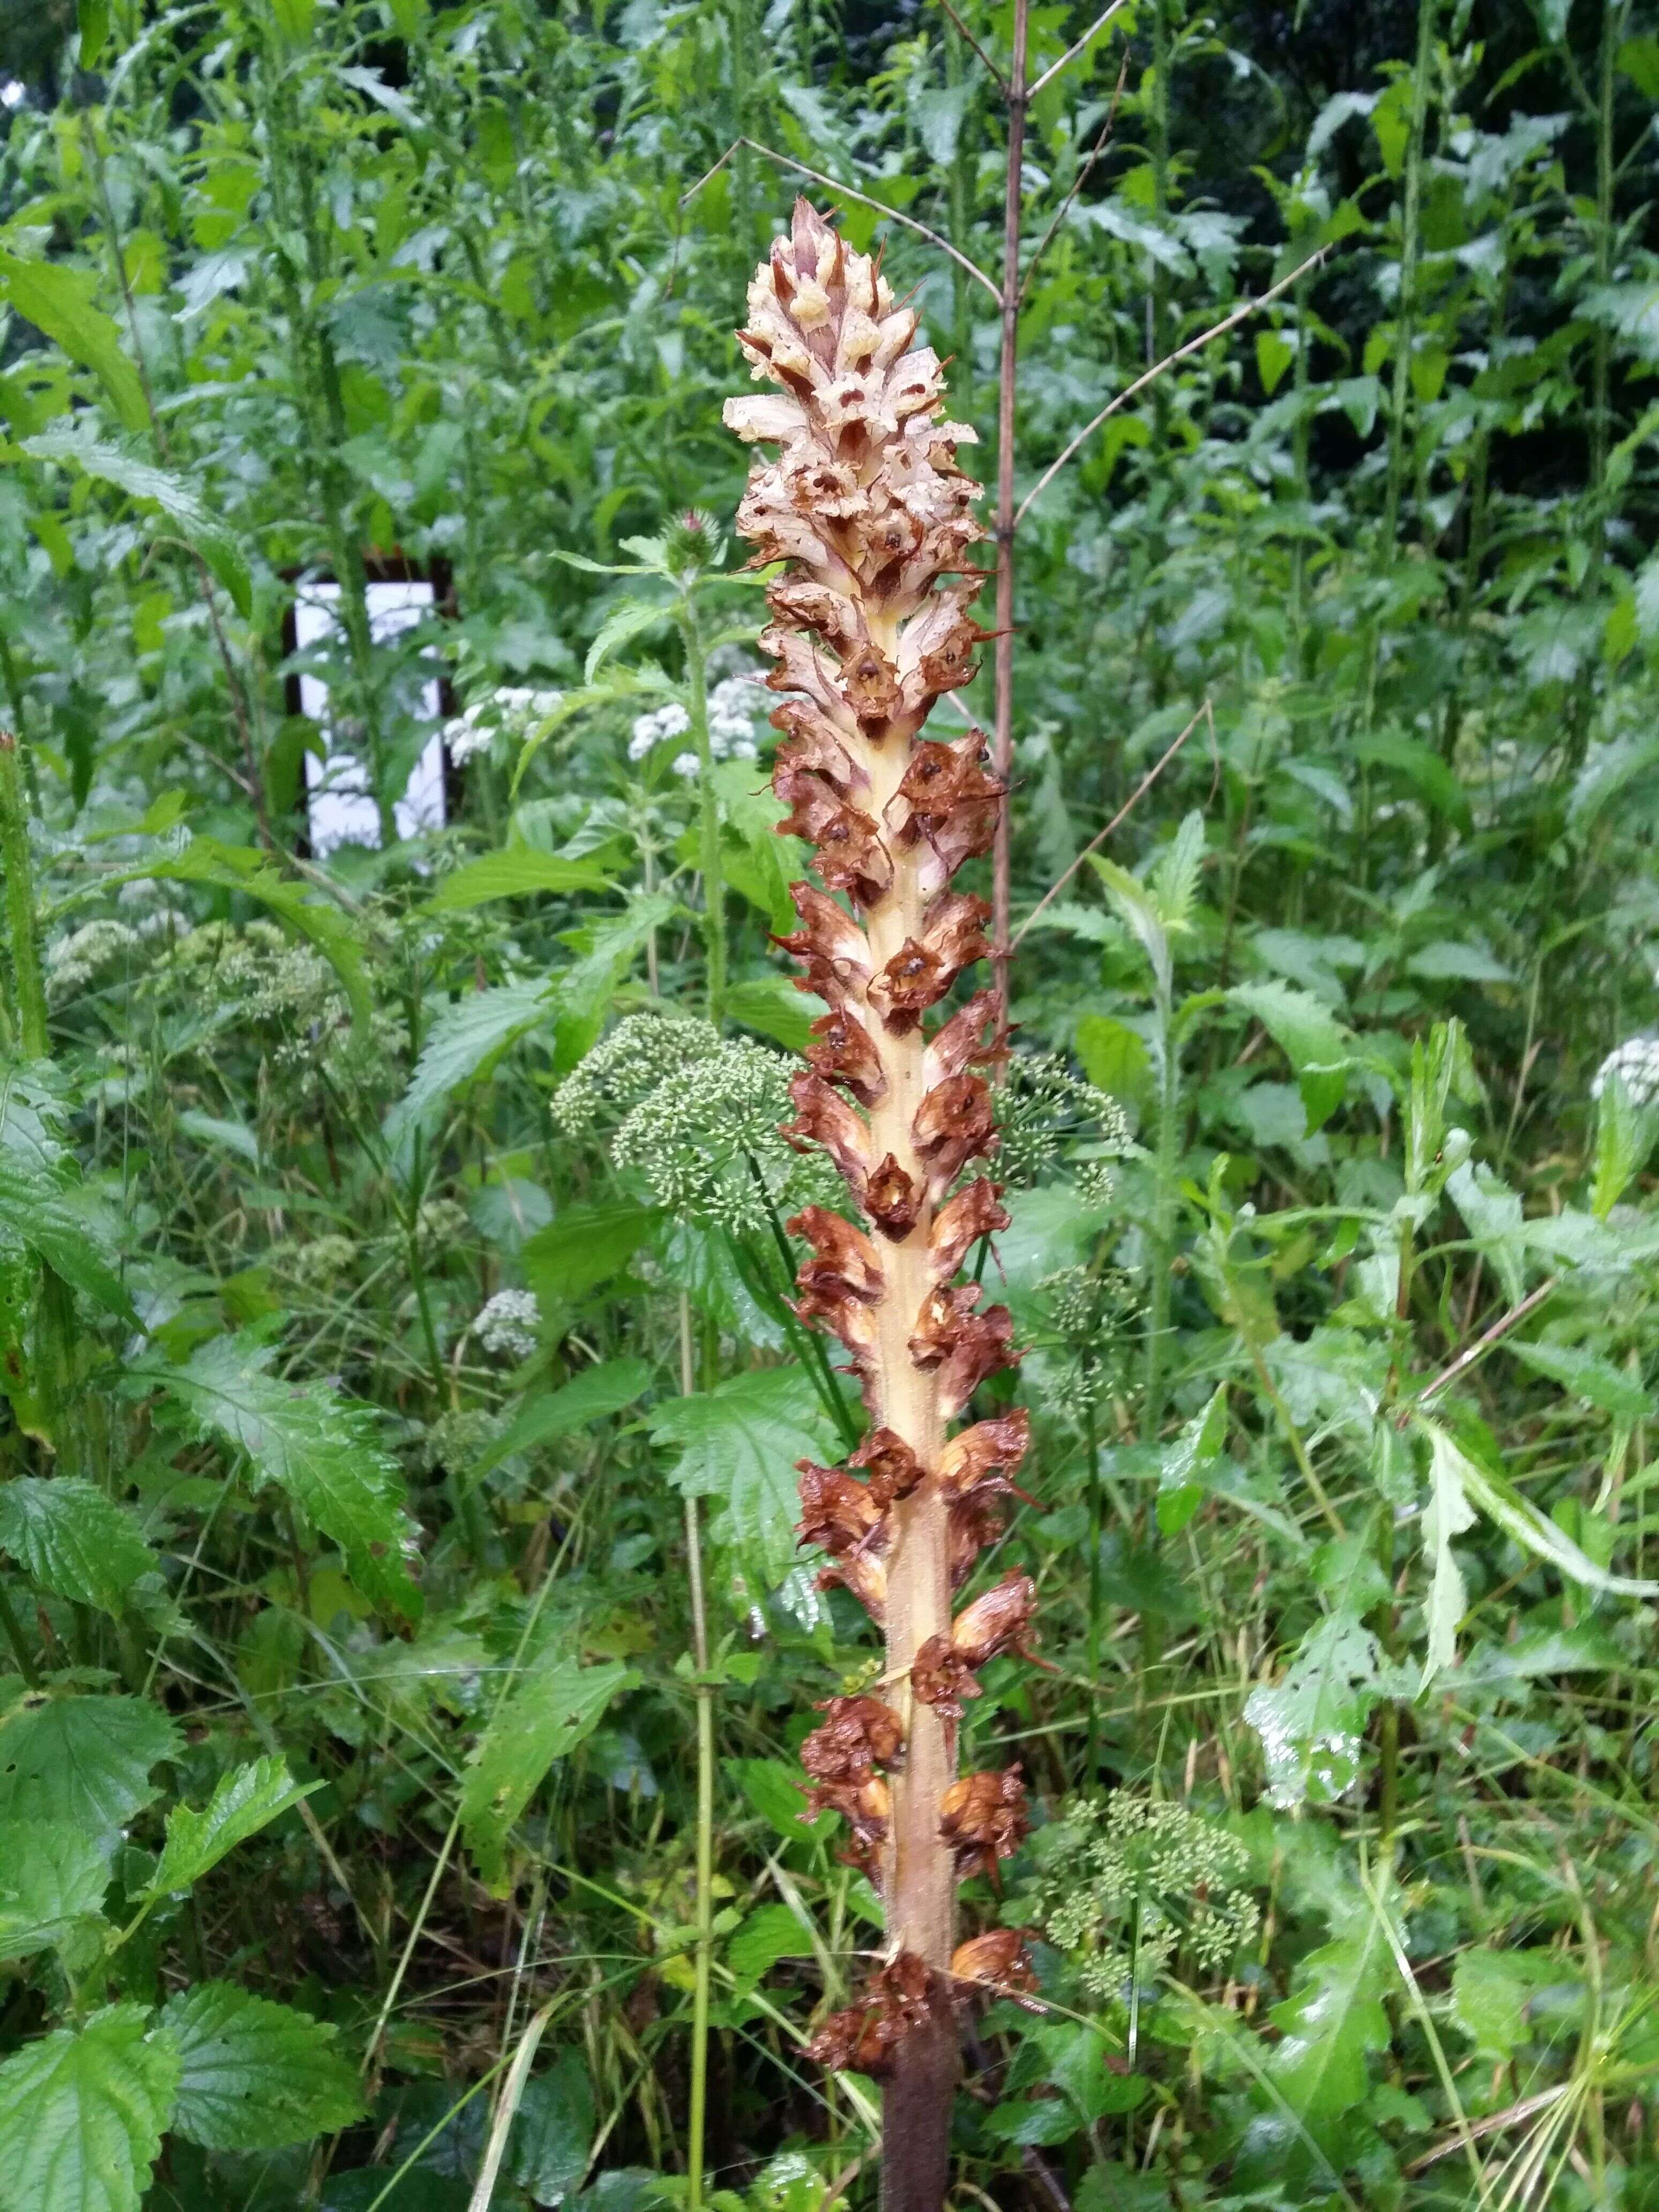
1002, 749
1166, 1159
1097, 1608
29, 995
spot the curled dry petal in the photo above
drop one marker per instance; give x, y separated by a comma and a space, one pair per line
907, 1995
862, 1573
825, 1118
857, 1735
987, 1455
945, 1312
995, 1960
960, 1044
996, 1621
972, 1213
962, 1347
924, 968
942, 1678
835, 949
974, 1521
811, 742
953, 1125
851, 855
837, 1512
891, 1199
844, 1053
983, 1818
843, 1258
947, 802
895, 1470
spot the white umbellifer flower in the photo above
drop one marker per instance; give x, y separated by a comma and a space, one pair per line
1636, 1063
513, 710
509, 1324
76, 959
653, 729
686, 765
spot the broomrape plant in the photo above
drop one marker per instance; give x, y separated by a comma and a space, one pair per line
867, 506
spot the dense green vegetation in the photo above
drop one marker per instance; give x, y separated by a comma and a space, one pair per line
405, 1650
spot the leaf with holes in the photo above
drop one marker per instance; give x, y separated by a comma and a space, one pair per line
72, 1539
84, 1761
1312, 1722
254, 2075
83, 2112
53, 1881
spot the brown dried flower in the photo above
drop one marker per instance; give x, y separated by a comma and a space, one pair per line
983, 1817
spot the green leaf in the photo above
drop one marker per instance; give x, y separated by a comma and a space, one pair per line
1310, 1037
1312, 1722
555, 1708
91, 18
254, 2075
1491, 1990
1447, 1514
83, 2112
1114, 1059
1330, 2026
466, 1038
739, 1443
40, 1191
772, 1005
52, 1879
155, 487
245, 1800
81, 1760
516, 871
1424, 768
597, 1391
319, 1448
1598, 1381
58, 300
624, 623
1624, 1138
1137, 909
552, 2136
770, 1933
1495, 1497
72, 1539
586, 1246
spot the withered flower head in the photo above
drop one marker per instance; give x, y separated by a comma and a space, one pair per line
895, 1470
834, 947
823, 1117
959, 1044
960, 1223
857, 1735
837, 1512
996, 1961
996, 1621
942, 1678
974, 1522
987, 1455
862, 1573
891, 1199
843, 1259
983, 1817
845, 1054
902, 1997
953, 1125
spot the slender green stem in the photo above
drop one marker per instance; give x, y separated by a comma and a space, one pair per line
20, 929
713, 880
1165, 1163
704, 1958
1096, 1537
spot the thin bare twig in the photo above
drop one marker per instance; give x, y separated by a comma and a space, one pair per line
1080, 180
1241, 314
1482, 1344
1072, 52
995, 72
1204, 712
850, 192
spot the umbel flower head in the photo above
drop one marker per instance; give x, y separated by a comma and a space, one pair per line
866, 504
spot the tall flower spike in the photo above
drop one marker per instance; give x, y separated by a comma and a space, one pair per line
867, 506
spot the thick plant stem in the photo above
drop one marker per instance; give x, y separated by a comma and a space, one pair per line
869, 505
1165, 1163
1002, 751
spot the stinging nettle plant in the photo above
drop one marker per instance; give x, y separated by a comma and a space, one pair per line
866, 505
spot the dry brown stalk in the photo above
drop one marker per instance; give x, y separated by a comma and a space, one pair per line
866, 505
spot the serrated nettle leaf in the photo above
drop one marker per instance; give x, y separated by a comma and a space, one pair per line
1310, 1036
158, 489
321, 1449
602, 1389
53, 1881
254, 2075
244, 1802
768, 1934
517, 871
555, 1707
1491, 1991
631, 619
1625, 1135
587, 1245
72, 1539
739, 1443
84, 1761
464, 1041
83, 2112
59, 300
1312, 1722
42, 1204
1503, 1504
